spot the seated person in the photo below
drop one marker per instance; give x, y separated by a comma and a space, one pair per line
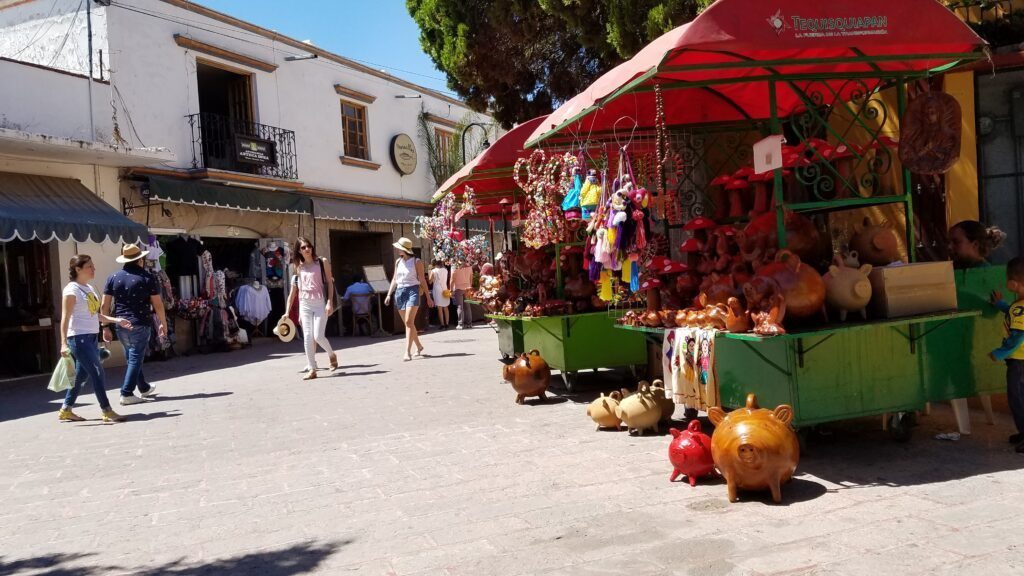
360, 306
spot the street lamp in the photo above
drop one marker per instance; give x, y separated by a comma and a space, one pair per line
487, 144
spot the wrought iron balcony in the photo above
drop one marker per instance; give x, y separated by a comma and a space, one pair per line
224, 143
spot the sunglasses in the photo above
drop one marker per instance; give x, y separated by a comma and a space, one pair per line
307, 247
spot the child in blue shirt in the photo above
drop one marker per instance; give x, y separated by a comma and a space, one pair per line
1012, 350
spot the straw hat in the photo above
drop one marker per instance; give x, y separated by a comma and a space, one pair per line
285, 329
404, 244
131, 253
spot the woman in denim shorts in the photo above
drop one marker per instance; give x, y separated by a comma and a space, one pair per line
406, 285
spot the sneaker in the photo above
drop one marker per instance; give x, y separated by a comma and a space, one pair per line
129, 400
111, 416
148, 393
66, 415
950, 436
1016, 438
459, 327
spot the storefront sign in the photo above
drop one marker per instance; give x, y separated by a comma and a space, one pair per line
403, 154
255, 150
830, 27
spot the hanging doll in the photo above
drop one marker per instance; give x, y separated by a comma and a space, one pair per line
590, 194
571, 202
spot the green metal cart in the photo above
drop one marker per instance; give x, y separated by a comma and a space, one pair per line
571, 343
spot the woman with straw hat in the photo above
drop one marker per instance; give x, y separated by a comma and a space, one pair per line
406, 284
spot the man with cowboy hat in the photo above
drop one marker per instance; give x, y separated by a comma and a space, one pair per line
133, 291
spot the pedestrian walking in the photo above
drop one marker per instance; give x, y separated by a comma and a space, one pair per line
462, 282
79, 332
314, 288
440, 291
134, 294
407, 283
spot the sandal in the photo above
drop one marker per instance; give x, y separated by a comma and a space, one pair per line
310, 376
334, 362
406, 358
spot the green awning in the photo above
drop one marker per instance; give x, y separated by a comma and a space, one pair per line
235, 197
46, 208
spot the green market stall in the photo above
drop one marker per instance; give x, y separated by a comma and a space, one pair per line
845, 129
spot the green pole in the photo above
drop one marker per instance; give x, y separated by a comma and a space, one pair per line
908, 194
775, 128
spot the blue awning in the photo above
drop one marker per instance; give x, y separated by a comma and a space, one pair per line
47, 208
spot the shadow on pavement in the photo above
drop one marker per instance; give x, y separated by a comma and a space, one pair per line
348, 374
449, 355
198, 396
300, 558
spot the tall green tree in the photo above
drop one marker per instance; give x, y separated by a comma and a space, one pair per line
517, 59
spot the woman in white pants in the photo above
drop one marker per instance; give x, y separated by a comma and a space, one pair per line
315, 286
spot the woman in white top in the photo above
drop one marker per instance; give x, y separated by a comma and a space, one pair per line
441, 291
79, 331
407, 284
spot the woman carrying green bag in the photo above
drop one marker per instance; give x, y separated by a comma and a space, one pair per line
79, 330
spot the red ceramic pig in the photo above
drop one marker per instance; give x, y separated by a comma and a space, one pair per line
690, 453
755, 448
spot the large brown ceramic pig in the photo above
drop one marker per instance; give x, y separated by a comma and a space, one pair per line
754, 448
529, 376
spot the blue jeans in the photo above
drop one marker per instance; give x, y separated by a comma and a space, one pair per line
135, 341
407, 297
86, 352
1015, 391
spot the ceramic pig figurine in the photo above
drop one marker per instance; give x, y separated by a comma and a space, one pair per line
602, 411
755, 448
529, 376
690, 453
640, 411
876, 244
848, 289
668, 406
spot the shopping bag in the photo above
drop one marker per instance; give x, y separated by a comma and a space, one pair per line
63, 375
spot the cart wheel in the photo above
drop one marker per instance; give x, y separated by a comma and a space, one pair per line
901, 426
569, 378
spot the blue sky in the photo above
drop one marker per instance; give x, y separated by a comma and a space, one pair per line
379, 33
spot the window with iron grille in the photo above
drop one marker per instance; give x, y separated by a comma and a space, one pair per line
353, 125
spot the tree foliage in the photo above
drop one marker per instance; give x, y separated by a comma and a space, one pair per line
517, 59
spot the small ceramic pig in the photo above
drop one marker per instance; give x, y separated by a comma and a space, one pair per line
875, 244
848, 289
690, 453
529, 375
755, 448
641, 411
668, 406
602, 411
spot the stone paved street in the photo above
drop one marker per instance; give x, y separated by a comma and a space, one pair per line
429, 467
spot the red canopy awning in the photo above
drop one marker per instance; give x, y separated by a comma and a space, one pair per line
490, 173
717, 68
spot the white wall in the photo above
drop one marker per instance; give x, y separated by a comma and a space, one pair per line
47, 102
52, 33
158, 81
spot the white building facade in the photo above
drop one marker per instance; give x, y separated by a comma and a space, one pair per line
263, 137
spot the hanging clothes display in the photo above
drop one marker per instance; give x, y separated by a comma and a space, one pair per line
253, 303
688, 362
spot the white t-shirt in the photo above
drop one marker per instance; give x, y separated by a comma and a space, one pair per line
85, 317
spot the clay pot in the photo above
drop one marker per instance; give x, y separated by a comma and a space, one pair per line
529, 376
802, 235
668, 407
641, 411
717, 316
690, 453
755, 448
848, 289
651, 319
876, 245
717, 289
602, 411
801, 285
668, 318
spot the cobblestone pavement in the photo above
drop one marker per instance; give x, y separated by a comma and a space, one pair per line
428, 467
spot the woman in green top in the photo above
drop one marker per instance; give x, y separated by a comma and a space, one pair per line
971, 242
